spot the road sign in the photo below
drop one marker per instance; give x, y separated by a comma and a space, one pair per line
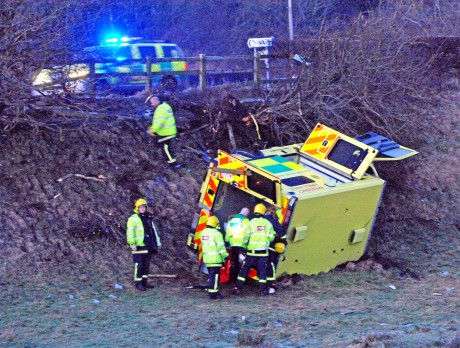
258, 42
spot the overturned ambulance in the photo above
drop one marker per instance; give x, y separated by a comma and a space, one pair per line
328, 190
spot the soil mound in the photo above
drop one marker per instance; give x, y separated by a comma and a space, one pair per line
67, 193
69, 185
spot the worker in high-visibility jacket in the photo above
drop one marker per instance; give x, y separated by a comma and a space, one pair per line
258, 234
234, 237
163, 127
214, 255
143, 239
276, 247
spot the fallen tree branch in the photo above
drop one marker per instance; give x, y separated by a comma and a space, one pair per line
100, 178
162, 276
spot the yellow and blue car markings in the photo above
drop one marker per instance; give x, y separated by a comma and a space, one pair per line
276, 165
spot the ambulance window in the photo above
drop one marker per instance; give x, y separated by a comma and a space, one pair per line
297, 181
262, 185
147, 51
347, 154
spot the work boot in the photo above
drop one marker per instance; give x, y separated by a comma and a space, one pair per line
263, 293
236, 291
140, 287
217, 296
147, 285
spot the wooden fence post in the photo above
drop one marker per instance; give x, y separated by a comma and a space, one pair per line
92, 77
202, 71
257, 68
148, 70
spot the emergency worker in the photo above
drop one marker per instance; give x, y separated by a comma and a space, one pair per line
143, 239
214, 255
258, 234
276, 247
163, 127
234, 237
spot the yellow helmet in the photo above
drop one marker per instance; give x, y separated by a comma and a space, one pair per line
213, 221
260, 209
139, 202
279, 248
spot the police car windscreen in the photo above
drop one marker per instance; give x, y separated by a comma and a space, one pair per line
109, 53
262, 185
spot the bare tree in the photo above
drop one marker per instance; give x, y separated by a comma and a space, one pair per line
36, 35
376, 74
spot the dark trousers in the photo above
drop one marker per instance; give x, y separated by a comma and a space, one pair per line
213, 280
142, 266
271, 266
235, 263
261, 263
166, 145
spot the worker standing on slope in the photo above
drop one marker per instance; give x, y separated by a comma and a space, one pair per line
163, 127
234, 237
143, 239
258, 234
214, 254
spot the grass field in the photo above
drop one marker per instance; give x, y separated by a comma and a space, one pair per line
338, 309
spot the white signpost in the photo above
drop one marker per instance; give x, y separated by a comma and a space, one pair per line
262, 44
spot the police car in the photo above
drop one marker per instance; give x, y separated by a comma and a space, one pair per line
119, 66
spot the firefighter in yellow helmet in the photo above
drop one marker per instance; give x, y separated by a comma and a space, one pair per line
214, 255
234, 237
258, 234
143, 239
276, 247
163, 127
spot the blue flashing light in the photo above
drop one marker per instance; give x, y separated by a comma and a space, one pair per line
120, 58
112, 40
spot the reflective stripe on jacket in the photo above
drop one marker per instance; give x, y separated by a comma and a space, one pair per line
163, 122
135, 231
281, 236
258, 234
213, 247
235, 230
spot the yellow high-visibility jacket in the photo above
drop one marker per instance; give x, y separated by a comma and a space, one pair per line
135, 231
163, 122
213, 246
258, 234
235, 230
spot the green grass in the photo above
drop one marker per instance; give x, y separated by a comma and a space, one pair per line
330, 310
